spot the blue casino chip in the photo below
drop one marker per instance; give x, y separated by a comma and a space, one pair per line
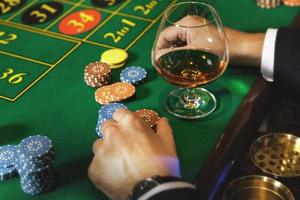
105, 113
7, 173
34, 147
8, 156
133, 75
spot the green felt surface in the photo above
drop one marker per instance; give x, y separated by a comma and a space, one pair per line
53, 100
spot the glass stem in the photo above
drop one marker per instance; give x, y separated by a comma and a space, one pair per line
191, 99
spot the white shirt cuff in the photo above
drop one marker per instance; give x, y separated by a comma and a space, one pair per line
268, 54
165, 187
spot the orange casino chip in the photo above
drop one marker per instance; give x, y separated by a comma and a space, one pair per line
103, 95
291, 2
80, 22
150, 117
114, 93
122, 91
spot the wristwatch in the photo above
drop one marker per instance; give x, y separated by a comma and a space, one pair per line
147, 184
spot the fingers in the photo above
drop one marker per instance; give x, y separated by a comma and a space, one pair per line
122, 115
164, 130
168, 35
108, 127
97, 145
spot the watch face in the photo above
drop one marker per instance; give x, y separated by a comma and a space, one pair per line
143, 187
148, 184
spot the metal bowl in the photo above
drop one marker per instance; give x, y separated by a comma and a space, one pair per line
257, 188
277, 154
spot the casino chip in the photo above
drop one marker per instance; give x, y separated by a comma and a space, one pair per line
8, 156
7, 173
150, 117
8, 160
291, 2
97, 74
106, 112
116, 92
115, 57
268, 3
134, 75
36, 165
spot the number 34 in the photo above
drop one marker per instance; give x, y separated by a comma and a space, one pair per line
12, 78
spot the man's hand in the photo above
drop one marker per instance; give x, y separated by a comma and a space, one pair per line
131, 152
244, 48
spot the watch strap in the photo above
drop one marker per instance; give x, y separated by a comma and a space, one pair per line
147, 184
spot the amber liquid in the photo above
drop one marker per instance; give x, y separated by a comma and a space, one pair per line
190, 68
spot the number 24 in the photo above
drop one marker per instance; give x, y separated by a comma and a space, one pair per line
8, 37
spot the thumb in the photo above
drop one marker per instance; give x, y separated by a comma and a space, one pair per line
164, 130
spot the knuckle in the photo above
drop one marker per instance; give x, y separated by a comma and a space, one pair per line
130, 117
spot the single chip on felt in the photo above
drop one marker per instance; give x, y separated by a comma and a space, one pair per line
291, 2
122, 90
133, 75
42, 13
150, 117
114, 93
105, 3
268, 3
114, 57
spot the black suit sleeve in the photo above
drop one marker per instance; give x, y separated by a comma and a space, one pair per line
287, 58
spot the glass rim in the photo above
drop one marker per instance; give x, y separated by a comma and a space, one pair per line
166, 14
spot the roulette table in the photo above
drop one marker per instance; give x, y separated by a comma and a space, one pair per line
44, 48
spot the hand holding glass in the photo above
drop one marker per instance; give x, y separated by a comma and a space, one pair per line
190, 49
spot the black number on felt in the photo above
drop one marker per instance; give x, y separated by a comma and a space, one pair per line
42, 13
8, 6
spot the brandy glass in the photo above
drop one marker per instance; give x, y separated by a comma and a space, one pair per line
190, 50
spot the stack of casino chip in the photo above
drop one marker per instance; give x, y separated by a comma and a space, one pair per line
97, 74
268, 3
291, 2
8, 160
35, 165
134, 75
105, 113
116, 92
116, 58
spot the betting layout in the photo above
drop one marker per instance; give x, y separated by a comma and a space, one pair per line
36, 36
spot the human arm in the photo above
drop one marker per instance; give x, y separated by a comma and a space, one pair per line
131, 152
